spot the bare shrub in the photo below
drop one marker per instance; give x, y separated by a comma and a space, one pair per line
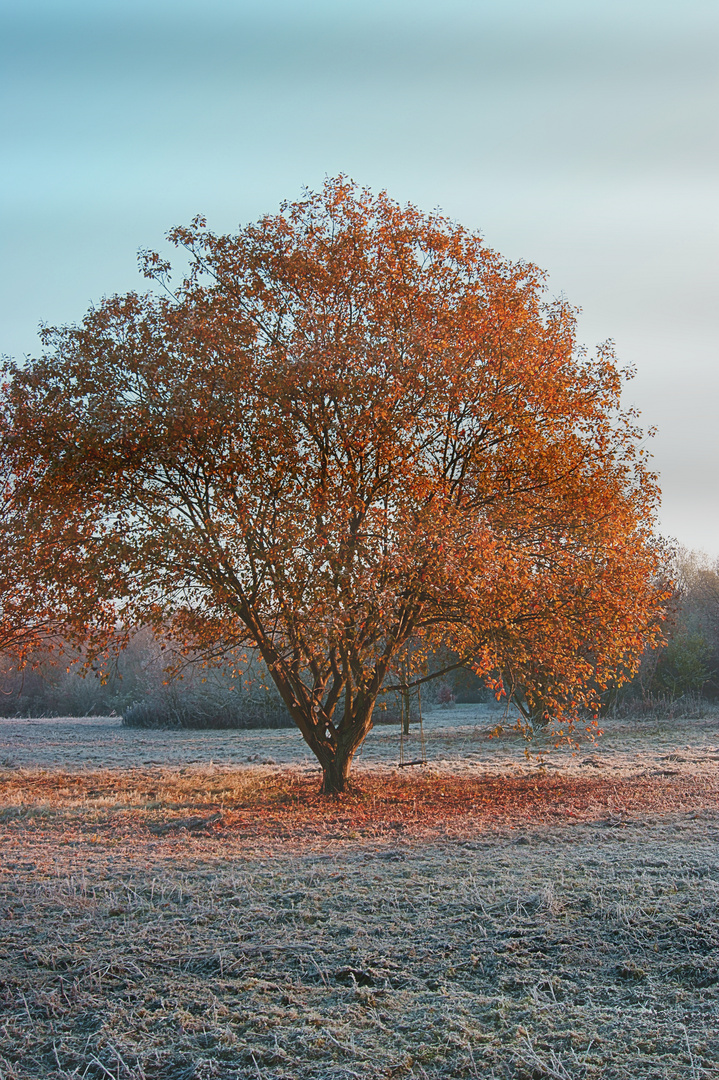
175, 709
689, 706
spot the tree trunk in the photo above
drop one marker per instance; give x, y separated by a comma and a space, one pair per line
405, 699
335, 774
334, 746
336, 755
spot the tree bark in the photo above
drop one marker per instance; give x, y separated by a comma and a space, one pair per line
406, 710
335, 774
336, 754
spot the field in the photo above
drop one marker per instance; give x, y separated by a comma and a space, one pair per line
180, 906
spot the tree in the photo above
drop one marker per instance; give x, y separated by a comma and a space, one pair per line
351, 434
689, 663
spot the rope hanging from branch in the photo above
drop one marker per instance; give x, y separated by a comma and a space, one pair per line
404, 721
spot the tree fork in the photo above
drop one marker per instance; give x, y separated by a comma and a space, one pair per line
336, 757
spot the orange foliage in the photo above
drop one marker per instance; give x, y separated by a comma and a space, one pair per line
351, 435
50, 600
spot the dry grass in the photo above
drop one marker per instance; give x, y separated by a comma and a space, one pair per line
191, 921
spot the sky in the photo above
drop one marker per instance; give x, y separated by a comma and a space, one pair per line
575, 134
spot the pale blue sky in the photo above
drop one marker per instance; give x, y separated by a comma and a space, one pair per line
579, 135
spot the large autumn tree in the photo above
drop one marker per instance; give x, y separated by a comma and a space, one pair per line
351, 434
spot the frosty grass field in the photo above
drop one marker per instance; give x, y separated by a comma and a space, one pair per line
184, 905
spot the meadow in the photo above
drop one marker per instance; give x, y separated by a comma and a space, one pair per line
185, 905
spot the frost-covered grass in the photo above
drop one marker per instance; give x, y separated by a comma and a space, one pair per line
483, 918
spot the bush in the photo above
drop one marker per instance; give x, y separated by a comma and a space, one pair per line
173, 710
690, 706
683, 666
215, 699
46, 688
445, 694
135, 686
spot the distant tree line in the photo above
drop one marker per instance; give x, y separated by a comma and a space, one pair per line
137, 685
149, 687
689, 663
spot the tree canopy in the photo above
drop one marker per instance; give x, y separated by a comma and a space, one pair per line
49, 597
351, 434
